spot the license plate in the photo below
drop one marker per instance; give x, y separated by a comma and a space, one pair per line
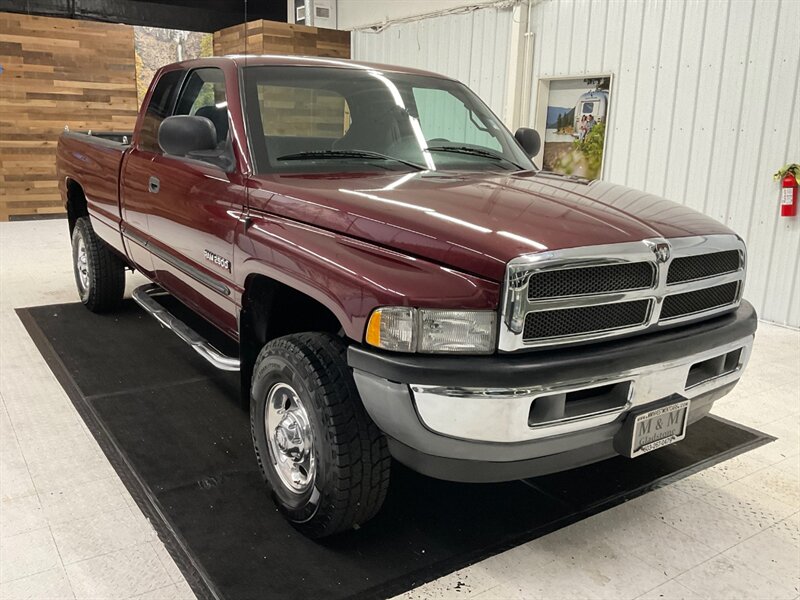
653, 429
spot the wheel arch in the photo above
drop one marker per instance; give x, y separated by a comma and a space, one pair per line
272, 309
76, 203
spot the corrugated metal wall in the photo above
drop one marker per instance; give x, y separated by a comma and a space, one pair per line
704, 109
704, 102
471, 47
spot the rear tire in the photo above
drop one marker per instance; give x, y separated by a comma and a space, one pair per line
99, 273
325, 460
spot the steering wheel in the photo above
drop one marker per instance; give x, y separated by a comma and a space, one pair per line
437, 140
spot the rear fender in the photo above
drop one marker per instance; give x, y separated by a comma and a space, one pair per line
92, 164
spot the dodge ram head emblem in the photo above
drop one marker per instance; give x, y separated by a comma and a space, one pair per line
661, 250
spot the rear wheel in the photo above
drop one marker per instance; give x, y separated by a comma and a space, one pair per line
324, 459
99, 273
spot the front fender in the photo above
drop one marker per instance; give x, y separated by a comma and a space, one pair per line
350, 277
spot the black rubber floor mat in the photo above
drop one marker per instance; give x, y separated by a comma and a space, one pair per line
174, 430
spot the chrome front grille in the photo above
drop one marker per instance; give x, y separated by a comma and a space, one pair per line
692, 268
560, 283
542, 324
582, 294
698, 301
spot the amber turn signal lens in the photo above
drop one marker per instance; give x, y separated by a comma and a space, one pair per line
374, 329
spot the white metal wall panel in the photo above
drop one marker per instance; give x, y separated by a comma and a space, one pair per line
472, 47
704, 109
779, 239
696, 61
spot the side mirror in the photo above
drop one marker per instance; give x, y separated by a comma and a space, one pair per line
182, 135
529, 140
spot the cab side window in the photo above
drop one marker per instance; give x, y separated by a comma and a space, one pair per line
203, 95
159, 108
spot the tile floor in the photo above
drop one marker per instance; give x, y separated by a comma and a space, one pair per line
69, 529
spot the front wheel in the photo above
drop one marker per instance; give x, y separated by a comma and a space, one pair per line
99, 273
324, 459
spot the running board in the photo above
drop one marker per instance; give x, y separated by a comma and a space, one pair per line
144, 297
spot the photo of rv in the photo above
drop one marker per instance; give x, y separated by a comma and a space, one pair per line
590, 106
577, 112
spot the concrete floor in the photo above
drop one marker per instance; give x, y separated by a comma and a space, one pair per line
69, 528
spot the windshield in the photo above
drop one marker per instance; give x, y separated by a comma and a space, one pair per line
330, 119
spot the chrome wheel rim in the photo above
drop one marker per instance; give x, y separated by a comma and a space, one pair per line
291, 440
82, 265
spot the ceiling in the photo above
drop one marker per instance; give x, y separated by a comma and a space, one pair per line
191, 15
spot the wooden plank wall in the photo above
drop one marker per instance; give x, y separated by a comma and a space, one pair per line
270, 37
56, 72
82, 74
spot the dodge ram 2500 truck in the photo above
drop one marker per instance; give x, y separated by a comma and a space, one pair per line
400, 280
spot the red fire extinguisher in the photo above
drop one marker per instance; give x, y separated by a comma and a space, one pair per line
788, 195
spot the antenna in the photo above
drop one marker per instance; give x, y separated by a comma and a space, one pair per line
244, 105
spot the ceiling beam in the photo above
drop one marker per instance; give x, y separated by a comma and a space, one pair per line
190, 15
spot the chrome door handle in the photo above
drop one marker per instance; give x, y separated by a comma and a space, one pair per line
154, 185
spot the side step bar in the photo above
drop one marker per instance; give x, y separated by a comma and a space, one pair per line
144, 297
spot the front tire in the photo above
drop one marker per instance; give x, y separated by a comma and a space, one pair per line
99, 273
325, 460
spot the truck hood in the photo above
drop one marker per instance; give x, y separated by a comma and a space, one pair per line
476, 222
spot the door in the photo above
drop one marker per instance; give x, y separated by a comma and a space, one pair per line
194, 208
135, 194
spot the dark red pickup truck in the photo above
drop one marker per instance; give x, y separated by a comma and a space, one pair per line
401, 281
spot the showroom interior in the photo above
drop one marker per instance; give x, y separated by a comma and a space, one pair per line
339, 299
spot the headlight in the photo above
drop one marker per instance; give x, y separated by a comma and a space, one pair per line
432, 330
456, 331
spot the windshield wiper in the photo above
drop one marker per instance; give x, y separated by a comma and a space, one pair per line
554, 175
474, 152
334, 154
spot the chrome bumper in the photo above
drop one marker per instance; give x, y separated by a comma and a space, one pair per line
505, 415
510, 416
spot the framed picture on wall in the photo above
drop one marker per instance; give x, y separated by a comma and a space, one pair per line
572, 117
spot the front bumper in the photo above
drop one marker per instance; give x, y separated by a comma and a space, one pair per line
509, 416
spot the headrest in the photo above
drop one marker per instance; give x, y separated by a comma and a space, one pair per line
219, 117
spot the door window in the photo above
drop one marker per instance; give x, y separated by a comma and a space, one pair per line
203, 95
159, 108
